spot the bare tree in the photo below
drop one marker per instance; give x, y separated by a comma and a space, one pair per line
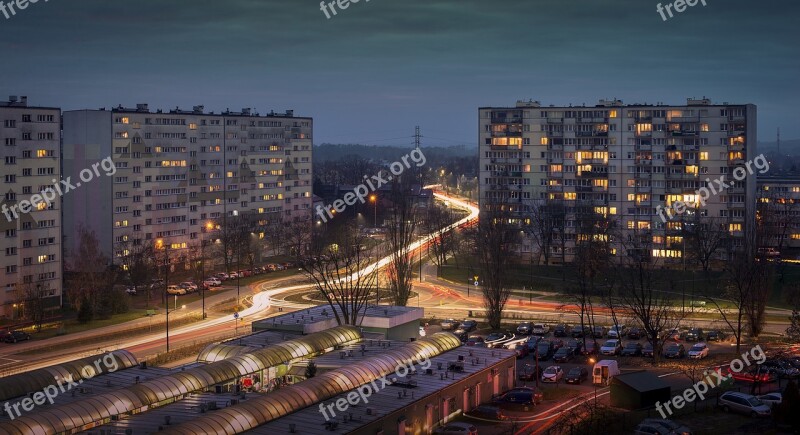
444, 244
33, 295
637, 278
705, 238
495, 239
403, 221
92, 273
546, 225
338, 267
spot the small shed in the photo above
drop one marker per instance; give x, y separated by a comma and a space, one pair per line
640, 389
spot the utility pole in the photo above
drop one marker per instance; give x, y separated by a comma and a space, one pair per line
417, 141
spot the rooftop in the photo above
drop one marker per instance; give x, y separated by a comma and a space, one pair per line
321, 317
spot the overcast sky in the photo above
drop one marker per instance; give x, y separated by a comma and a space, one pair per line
377, 69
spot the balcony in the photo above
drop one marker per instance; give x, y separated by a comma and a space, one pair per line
644, 162
507, 120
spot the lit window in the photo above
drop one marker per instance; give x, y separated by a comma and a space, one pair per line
704, 155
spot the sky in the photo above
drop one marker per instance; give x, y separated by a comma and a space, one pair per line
377, 69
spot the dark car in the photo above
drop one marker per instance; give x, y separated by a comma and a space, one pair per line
529, 372
561, 330
469, 325
578, 332
674, 350
525, 328
575, 345
461, 334
632, 348
543, 350
694, 334
475, 340
487, 412
557, 343
715, 336
634, 333
576, 375
449, 324
647, 350
599, 331
15, 336
522, 398
532, 342
591, 348
781, 368
563, 355
521, 350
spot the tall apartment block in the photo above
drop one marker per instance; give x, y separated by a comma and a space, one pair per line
179, 170
622, 162
779, 203
30, 228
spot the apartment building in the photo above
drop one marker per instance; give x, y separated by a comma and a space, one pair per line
30, 228
179, 170
779, 208
620, 162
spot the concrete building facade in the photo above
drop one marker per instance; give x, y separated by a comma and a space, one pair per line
179, 172
627, 163
30, 227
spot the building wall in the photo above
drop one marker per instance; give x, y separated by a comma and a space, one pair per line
446, 402
30, 244
622, 161
780, 197
179, 170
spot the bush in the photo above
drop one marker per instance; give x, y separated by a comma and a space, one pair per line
85, 313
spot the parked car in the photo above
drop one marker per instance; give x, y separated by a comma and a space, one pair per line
561, 330
212, 282
495, 337
175, 290
131, 290
576, 346
635, 333
632, 348
222, 276
540, 329
599, 331
743, 403
461, 334
674, 350
698, 351
449, 324
715, 335
552, 374
771, 399
675, 335
15, 336
475, 340
695, 334
579, 332
557, 343
156, 284
647, 350
576, 375
618, 331
525, 328
469, 325
188, 286
781, 368
487, 412
521, 398
611, 347
529, 372
521, 350
591, 348
456, 428
564, 355
531, 342
661, 426
544, 350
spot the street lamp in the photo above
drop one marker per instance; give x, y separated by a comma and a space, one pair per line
183, 307
374, 200
160, 245
209, 227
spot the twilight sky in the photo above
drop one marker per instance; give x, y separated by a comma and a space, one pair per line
380, 67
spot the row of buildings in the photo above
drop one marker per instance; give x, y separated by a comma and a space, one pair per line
636, 164
137, 176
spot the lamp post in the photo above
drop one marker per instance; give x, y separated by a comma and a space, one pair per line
160, 244
183, 307
209, 227
374, 200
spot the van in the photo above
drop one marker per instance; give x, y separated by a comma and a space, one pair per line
604, 371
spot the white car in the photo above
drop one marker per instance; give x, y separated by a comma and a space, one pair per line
771, 399
540, 329
552, 374
222, 276
212, 282
611, 347
617, 331
698, 351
